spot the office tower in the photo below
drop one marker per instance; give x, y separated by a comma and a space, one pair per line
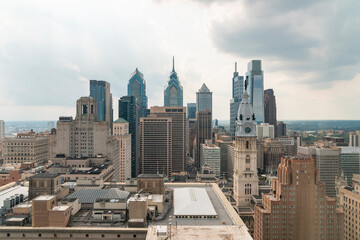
204, 99
270, 109
85, 136
222, 141
237, 92
100, 91
178, 116
122, 167
210, 157
173, 93
2, 129
129, 110
350, 159
137, 88
26, 147
273, 150
327, 159
354, 139
350, 205
191, 111
191, 128
156, 145
281, 129
297, 206
245, 164
203, 131
264, 130
255, 87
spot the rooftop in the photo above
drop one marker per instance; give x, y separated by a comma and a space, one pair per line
61, 208
348, 150
44, 197
90, 170
91, 195
148, 175
121, 120
12, 192
45, 175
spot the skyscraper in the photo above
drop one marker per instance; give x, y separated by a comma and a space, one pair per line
255, 83
354, 139
297, 206
156, 145
245, 162
281, 129
137, 88
100, 91
191, 110
2, 128
204, 99
178, 116
129, 110
237, 92
270, 109
202, 131
173, 93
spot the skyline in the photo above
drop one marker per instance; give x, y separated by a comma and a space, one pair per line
309, 53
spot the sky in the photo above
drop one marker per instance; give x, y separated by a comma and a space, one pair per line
310, 52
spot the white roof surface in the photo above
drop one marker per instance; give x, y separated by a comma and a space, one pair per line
192, 202
11, 192
350, 150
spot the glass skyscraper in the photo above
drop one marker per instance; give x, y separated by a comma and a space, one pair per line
173, 93
255, 81
100, 91
191, 110
137, 88
129, 110
204, 99
237, 92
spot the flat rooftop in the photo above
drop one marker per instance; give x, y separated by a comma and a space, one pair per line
61, 208
44, 197
12, 192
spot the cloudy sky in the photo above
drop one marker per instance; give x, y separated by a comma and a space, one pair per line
309, 49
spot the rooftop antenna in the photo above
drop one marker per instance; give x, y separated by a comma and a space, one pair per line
173, 64
235, 66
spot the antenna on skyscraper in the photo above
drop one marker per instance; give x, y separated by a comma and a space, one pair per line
173, 64
235, 66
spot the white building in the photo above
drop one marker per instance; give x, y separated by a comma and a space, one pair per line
210, 155
123, 165
2, 128
265, 130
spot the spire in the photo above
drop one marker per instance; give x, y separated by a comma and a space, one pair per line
235, 66
173, 64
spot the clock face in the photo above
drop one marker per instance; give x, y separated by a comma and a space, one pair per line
247, 130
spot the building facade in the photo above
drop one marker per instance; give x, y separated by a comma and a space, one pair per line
137, 88
223, 141
210, 156
273, 150
129, 110
354, 139
245, 164
350, 162
156, 145
2, 129
270, 109
100, 91
265, 130
202, 131
178, 116
297, 206
204, 99
173, 93
237, 92
255, 82
191, 111
122, 167
281, 129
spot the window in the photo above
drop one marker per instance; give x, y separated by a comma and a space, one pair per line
247, 144
247, 159
39, 234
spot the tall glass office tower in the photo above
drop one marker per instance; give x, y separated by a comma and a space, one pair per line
255, 81
100, 91
204, 99
191, 110
173, 93
237, 92
137, 88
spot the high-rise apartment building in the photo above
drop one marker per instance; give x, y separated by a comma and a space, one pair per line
204, 99
129, 110
237, 92
122, 167
350, 205
100, 91
210, 157
156, 145
255, 88
297, 206
191, 111
173, 93
26, 147
245, 162
137, 88
85, 135
270, 109
327, 160
354, 139
281, 129
202, 131
350, 162
2, 129
265, 130
178, 116
273, 150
